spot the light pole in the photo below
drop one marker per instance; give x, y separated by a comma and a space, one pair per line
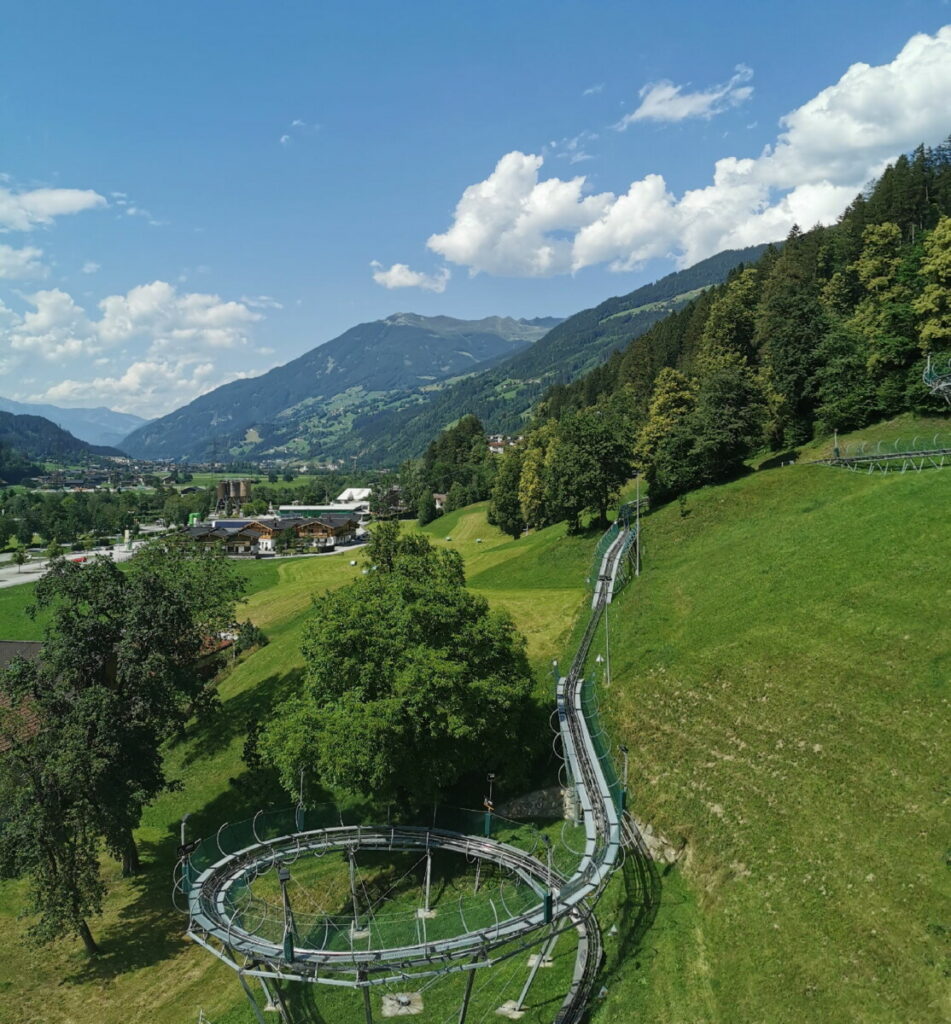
489, 806
623, 749
637, 529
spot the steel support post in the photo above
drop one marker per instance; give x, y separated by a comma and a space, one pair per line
367, 1008
254, 1003
429, 875
546, 949
352, 856
467, 994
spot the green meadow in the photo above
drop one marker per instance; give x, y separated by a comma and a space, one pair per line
780, 675
148, 971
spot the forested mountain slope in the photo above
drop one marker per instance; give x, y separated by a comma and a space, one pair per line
308, 405
832, 332
97, 426
502, 396
37, 438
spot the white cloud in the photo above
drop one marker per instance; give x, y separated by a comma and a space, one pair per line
173, 319
665, 101
156, 313
515, 224
21, 211
21, 263
148, 387
161, 345
573, 149
91, 267
56, 328
285, 139
594, 90
401, 276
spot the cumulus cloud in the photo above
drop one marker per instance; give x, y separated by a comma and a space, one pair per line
56, 328
21, 211
148, 387
515, 223
91, 267
664, 101
401, 276
21, 263
175, 338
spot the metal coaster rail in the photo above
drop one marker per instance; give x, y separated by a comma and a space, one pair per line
212, 889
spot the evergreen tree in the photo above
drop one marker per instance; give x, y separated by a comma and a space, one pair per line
427, 508
790, 324
933, 305
505, 509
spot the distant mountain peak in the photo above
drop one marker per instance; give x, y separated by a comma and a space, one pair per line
308, 405
97, 426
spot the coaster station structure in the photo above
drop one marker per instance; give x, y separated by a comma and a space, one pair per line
270, 944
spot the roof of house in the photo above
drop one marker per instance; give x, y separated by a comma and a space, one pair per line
337, 519
26, 649
355, 494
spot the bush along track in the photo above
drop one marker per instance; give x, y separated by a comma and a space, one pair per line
216, 877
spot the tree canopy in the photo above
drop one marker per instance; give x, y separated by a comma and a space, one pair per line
83, 727
412, 683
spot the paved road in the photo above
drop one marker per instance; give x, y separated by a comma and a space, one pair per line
11, 576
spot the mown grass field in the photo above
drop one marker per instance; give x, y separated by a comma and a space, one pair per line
15, 624
148, 972
780, 674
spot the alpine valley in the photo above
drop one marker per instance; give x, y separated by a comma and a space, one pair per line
381, 390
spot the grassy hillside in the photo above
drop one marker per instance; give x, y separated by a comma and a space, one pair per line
148, 972
780, 674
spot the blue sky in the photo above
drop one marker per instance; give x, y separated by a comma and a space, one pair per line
196, 191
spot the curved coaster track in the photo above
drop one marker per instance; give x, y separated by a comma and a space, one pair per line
276, 942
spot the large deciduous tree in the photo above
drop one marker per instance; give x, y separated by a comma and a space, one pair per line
50, 829
119, 669
411, 682
933, 305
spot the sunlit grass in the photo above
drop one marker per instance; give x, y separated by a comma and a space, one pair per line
780, 674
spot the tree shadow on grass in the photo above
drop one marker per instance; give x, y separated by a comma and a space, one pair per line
149, 929
779, 460
212, 733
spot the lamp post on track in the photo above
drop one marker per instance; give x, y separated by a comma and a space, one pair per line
624, 752
637, 529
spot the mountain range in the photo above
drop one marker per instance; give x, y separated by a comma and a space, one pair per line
382, 390
36, 437
99, 426
307, 406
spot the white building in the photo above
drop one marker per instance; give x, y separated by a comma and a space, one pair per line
357, 494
